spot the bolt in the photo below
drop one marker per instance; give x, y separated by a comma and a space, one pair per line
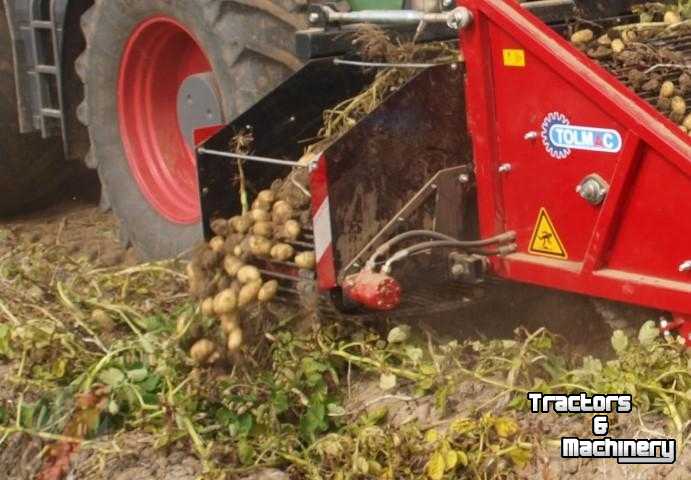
530, 136
292, 118
448, 3
505, 168
464, 178
454, 66
314, 17
685, 267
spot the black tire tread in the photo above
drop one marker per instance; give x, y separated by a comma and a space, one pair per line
248, 54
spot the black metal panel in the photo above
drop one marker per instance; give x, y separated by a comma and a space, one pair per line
280, 122
375, 169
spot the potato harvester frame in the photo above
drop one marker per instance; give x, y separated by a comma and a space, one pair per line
526, 140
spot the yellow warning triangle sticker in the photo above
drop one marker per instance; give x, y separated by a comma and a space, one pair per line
545, 240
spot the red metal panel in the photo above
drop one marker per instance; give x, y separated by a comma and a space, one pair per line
543, 116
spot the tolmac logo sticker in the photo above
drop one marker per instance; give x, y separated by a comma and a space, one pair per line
560, 137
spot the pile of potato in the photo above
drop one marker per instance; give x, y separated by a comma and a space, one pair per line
223, 274
642, 55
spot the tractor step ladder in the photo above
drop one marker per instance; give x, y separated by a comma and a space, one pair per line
46, 49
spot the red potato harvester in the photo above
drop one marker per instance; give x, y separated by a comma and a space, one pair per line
525, 161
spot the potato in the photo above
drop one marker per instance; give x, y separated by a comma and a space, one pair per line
264, 229
208, 307
260, 215
678, 109
582, 36
687, 122
240, 224
617, 46
238, 251
290, 231
672, 18
679, 106
266, 196
667, 89
248, 273
231, 264
204, 352
629, 35
230, 322
216, 244
282, 252
225, 302
232, 241
305, 260
268, 291
259, 246
604, 40
261, 205
248, 293
220, 227
281, 212
234, 340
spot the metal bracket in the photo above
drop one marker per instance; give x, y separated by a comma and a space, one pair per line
453, 174
323, 15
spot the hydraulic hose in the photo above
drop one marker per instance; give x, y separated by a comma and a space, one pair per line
466, 244
406, 252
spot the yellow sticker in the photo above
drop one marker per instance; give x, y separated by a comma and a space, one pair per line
545, 240
514, 57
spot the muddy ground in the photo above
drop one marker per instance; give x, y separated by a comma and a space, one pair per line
75, 221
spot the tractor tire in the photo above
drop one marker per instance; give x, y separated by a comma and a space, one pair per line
31, 169
249, 48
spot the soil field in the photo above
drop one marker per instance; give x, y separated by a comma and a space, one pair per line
72, 299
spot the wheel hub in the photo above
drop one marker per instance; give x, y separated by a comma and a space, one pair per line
166, 90
199, 105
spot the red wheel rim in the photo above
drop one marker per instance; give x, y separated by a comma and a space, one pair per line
160, 54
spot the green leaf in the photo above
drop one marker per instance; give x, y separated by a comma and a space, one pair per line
592, 365
245, 424
414, 354
111, 376
648, 333
435, 467
450, 459
137, 375
5, 334
335, 410
505, 427
150, 383
520, 457
387, 381
245, 452
314, 420
399, 334
279, 399
375, 416
620, 342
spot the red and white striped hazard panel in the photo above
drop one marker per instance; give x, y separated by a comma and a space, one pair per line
321, 217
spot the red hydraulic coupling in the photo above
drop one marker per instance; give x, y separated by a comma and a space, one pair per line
679, 324
375, 291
